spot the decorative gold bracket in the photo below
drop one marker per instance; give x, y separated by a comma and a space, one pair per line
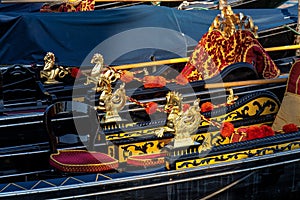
231, 97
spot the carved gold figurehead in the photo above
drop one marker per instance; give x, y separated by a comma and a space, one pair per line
188, 122
98, 61
94, 76
102, 76
110, 102
174, 108
113, 103
52, 71
182, 123
107, 76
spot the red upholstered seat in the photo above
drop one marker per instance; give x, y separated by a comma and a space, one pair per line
73, 130
82, 161
148, 160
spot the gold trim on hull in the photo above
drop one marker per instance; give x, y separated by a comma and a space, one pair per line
249, 153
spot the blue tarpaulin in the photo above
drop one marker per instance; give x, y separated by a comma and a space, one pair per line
123, 35
20, 7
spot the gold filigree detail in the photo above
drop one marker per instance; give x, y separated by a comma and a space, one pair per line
237, 155
228, 22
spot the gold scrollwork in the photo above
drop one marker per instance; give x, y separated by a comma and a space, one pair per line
237, 155
228, 22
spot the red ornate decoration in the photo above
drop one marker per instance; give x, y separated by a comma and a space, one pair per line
151, 107
253, 132
227, 129
185, 107
127, 76
154, 81
289, 128
248, 133
267, 130
75, 72
181, 80
239, 135
242, 130
207, 106
215, 51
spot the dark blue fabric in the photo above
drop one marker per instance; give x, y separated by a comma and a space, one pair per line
20, 7
126, 35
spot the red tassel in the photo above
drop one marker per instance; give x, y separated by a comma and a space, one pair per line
75, 72
242, 134
234, 138
127, 76
267, 130
289, 128
227, 129
154, 81
253, 132
207, 106
181, 80
185, 107
151, 107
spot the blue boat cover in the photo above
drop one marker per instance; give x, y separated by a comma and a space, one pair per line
20, 7
123, 35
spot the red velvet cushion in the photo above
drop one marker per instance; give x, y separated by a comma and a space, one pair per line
214, 52
82, 161
147, 160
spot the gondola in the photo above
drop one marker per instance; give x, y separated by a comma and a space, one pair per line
228, 148
26, 170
